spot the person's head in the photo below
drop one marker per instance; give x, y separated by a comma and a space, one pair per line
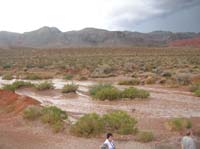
188, 133
109, 136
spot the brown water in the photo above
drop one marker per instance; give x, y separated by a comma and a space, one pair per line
163, 102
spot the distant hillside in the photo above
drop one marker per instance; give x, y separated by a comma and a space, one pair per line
186, 42
51, 37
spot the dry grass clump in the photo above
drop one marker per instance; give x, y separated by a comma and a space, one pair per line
178, 124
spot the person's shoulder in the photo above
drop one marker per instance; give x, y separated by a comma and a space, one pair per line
187, 138
184, 139
106, 141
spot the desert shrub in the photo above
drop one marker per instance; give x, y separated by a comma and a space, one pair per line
17, 84
102, 71
44, 85
172, 83
6, 66
119, 122
69, 88
150, 80
166, 74
107, 91
68, 77
82, 78
134, 93
104, 91
87, 126
162, 81
183, 79
129, 82
53, 115
58, 126
197, 92
179, 124
194, 86
94, 89
145, 136
32, 112
7, 77
32, 76
9, 87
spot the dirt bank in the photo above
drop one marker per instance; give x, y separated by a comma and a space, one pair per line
12, 104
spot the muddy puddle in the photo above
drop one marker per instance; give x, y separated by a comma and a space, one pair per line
163, 102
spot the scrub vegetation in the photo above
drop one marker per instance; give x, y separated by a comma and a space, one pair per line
109, 92
161, 65
49, 115
93, 124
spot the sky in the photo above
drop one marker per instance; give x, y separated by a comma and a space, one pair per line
132, 15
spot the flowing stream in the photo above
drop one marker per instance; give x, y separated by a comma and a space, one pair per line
163, 102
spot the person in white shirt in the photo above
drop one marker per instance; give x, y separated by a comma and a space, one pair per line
109, 141
187, 141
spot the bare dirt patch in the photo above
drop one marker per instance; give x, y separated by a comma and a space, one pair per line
12, 104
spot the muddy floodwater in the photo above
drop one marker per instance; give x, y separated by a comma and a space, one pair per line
163, 102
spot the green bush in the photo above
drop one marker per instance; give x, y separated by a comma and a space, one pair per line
7, 77
119, 122
145, 136
58, 126
32, 76
195, 86
179, 124
87, 126
93, 124
68, 77
69, 88
108, 93
9, 87
129, 82
94, 89
17, 84
6, 66
32, 112
134, 93
104, 91
83, 78
52, 115
44, 85
197, 92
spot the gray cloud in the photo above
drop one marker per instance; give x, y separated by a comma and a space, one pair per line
172, 5
185, 20
128, 16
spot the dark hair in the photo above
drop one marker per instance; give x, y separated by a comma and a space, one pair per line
188, 133
109, 135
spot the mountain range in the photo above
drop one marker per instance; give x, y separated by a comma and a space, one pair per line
51, 37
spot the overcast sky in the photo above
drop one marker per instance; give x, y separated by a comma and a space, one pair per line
134, 15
